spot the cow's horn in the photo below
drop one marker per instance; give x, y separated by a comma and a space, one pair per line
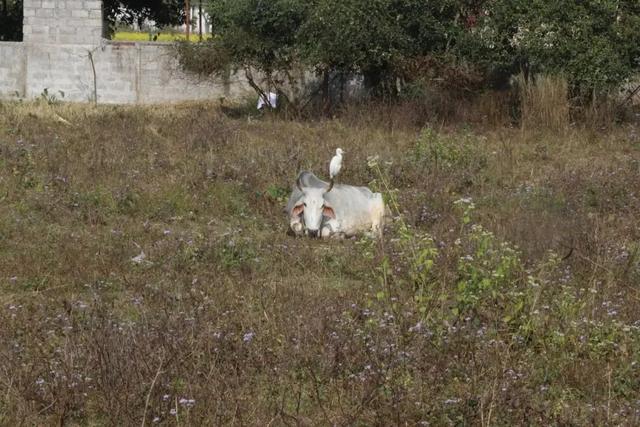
330, 185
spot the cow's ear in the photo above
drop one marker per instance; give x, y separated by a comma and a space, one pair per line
328, 212
297, 209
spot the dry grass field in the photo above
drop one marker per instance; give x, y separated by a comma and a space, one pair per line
146, 274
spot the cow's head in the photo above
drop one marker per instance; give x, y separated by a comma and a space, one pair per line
313, 206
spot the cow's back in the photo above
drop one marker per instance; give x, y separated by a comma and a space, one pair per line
356, 208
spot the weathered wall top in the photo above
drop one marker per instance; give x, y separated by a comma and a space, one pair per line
63, 21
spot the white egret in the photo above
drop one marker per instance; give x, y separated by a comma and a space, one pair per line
336, 164
271, 100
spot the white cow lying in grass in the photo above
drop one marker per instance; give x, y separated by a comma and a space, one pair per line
321, 209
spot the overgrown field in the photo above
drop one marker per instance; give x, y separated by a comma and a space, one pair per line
505, 291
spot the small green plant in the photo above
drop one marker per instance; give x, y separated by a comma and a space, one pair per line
468, 208
23, 167
440, 152
236, 254
486, 274
127, 201
93, 206
488, 270
276, 193
418, 247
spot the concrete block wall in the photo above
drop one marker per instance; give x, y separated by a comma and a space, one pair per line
125, 73
162, 80
63, 21
60, 68
116, 74
13, 79
63, 44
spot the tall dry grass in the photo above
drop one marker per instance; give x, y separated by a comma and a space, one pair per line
522, 309
544, 102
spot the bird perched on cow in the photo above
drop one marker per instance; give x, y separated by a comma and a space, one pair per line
336, 164
323, 209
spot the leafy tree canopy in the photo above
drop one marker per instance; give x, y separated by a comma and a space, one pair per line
10, 20
162, 12
369, 37
258, 33
594, 43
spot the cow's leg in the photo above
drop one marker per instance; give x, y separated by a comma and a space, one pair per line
377, 227
325, 232
329, 228
296, 226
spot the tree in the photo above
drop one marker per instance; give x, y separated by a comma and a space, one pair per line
253, 36
10, 20
352, 36
333, 37
162, 12
594, 43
